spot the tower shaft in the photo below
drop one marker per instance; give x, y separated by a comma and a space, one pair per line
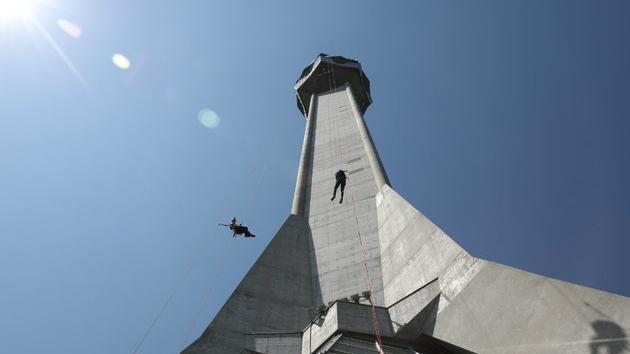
335, 128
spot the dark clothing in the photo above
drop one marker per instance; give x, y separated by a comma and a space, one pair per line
240, 230
342, 183
340, 176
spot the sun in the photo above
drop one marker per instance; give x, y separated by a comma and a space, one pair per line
15, 9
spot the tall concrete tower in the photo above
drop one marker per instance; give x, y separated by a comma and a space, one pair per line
373, 274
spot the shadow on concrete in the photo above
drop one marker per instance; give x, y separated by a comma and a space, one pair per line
429, 323
316, 291
609, 338
429, 345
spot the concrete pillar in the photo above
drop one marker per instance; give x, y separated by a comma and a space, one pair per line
299, 196
375, 161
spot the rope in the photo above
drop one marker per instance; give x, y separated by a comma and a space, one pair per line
331, 124
180, 282
185, 275
370, 284
178, 285
377, 326
215, 274
207, 297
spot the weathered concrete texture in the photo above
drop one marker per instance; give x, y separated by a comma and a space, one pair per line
273, 297
344, 344
435, 297
277, 343
344, 317
338, 269
483, 306
304, 168
414, 312
413, 250
506, 310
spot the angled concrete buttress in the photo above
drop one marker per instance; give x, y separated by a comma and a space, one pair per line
308, 292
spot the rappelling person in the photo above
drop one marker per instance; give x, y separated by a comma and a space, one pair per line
239, 229
340, 176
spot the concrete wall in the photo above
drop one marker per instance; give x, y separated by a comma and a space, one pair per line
272, 297
345, 317
483, 306
413, 250
277, 343
348, 345
506, 310
338, 262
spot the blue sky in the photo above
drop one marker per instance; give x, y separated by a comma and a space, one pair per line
506, 123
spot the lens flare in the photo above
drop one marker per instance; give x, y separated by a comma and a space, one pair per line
121, 61
59, 51
70, 28
209, 118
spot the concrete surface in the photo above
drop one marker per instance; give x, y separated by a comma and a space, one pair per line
344, 317
431, 294
271, 298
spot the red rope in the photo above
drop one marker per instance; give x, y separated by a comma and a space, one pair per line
377, 327
178, 285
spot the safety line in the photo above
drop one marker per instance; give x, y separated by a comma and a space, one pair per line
332, 124
207, 297
225, 252
192, 264
178, 285
377, 326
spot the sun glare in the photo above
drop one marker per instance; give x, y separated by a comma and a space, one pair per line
15, 8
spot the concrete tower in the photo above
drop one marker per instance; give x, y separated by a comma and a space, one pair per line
339, 278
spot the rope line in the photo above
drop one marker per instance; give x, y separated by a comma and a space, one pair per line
185, 275
377, 326
214, 277
178, 285
331, 125
188, 271
207, 296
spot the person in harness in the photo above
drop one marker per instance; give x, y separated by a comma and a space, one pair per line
340, 176
238, 229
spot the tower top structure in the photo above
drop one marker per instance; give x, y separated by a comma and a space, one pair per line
327, 72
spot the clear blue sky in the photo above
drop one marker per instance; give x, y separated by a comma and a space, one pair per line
505, 122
